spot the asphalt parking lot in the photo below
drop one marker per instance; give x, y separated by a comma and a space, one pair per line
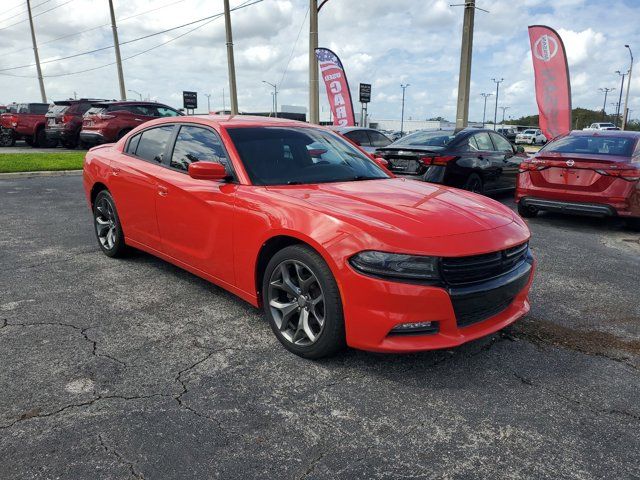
136, 369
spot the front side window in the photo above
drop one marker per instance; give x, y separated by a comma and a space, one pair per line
153, 142
378, 139
359, 137
502, 144
288, 156
167, 112
197, 144
484, 141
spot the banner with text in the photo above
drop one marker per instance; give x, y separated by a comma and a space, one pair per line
553, 88
335, 81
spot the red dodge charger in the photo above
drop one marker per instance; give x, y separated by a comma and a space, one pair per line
293, 218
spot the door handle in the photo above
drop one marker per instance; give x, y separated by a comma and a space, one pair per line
115, 171
163, 191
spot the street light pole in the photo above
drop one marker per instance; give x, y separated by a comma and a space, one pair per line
208, 95
137, 93
625, 113
464, 80
233, 93
314, 115
35, 52
620, 98
275, 97
116, 46
484, 110
404, 87
495, 113
504, 109
604, 105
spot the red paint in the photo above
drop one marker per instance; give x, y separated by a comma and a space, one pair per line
335, 82
588, 178
216, 229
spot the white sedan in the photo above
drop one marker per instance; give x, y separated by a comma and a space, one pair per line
531, 136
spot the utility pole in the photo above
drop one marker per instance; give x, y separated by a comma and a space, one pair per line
208, 95
404, 87
604, 105
620, 98
116, 46
233, 93
484, 110
464, 80
625, 113
495, 112
314, 115
504, 109
35, 52
275, 97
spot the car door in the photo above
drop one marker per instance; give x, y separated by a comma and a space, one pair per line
489, 161
133, 183
195, 216
510, 161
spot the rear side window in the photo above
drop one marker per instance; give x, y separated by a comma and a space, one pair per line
378, 139
502, 144
484, 141
133, 144
153, 142
197, 144
167, 112
360, 137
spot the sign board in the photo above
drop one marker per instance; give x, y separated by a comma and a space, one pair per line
190, 100
365, 92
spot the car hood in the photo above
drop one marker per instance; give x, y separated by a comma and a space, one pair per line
404, 206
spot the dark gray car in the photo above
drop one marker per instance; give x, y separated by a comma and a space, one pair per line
368, 139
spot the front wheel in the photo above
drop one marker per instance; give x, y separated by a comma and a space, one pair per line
302, 302
107, 225
7, 140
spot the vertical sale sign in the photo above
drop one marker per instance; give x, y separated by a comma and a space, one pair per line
335, 81
553, 89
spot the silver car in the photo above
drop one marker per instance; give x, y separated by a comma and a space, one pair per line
366, 138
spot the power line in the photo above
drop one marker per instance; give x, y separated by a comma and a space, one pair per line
119, 20
294, 47
210, 19
37, 14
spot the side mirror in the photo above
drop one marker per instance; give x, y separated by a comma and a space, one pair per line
519, 149
381, 162
207, 171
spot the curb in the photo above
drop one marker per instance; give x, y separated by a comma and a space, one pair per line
45, 173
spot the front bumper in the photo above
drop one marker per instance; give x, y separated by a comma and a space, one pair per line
92, 138
376, 306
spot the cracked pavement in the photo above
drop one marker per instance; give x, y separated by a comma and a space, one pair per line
117, 369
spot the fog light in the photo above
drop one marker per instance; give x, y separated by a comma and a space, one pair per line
418, 328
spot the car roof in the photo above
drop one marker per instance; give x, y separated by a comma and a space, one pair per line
245, 121
348, 129
608, 133
72, 101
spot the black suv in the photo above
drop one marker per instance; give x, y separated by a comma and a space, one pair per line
64, 120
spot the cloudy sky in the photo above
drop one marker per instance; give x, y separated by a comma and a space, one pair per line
383, 42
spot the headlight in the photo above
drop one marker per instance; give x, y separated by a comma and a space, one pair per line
396, 265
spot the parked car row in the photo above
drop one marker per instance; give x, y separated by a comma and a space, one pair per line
84, 122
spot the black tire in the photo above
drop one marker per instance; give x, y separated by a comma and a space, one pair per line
633, 224
29, 141
331, 337
42, 141
474, 184
527, 212
7, 140
71, 143
104, 210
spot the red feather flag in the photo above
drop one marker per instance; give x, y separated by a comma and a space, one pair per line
335, 81
553, 88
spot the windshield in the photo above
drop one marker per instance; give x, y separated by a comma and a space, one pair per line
608, 145
289, 156
438, 138
529, 132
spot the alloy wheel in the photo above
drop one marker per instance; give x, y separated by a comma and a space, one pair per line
297, 302
105, 221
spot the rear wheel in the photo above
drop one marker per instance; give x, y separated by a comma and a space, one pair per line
107, 225
526, 211
71, 143
302, 302
474, 184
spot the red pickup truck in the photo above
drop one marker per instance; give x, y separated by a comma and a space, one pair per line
27, 121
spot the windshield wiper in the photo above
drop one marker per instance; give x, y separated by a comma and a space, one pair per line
358, 178
294, 182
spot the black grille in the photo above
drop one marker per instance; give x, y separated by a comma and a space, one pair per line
480, 304
478, 268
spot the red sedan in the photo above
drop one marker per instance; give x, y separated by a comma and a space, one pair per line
584, 172
294, 218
